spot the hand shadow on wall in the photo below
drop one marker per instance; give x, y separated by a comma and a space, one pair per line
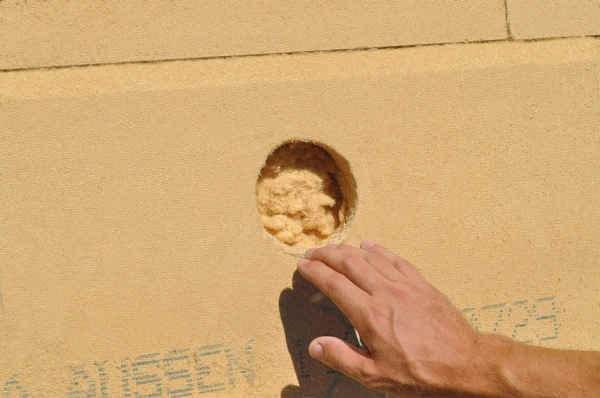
307, 313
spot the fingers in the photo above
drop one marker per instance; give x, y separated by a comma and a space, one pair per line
348, 297
376, 260
350, 263
343, 357
403, 266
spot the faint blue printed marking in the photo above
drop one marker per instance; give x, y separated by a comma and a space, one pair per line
530, 321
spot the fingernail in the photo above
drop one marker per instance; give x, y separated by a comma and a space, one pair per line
367, 244
309, 252
302, 262
316, 350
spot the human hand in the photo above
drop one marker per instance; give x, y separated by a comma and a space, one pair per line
418, 342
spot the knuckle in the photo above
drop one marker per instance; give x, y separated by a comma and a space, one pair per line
403, 264
348, 263
400, 264
375, 258
351, 261
424, 287
335, 282
399, 294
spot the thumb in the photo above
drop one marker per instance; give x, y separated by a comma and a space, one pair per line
343, 357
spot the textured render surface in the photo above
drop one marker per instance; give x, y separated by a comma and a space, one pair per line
73, 32
133, 258
533, 19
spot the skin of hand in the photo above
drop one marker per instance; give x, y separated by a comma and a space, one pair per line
419, 344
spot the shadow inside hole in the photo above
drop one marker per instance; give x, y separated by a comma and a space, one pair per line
306, 314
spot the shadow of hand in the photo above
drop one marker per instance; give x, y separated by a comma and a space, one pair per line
307, 313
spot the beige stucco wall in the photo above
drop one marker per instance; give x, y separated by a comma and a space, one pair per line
132, 256
74, 32
534, 19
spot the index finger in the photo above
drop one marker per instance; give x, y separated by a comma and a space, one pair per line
348, 297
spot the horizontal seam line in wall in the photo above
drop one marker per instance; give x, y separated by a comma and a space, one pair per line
296, 53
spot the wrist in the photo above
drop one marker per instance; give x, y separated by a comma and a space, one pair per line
496, 372
487, 373
484, 370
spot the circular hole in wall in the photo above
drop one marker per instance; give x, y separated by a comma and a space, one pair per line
306, 194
